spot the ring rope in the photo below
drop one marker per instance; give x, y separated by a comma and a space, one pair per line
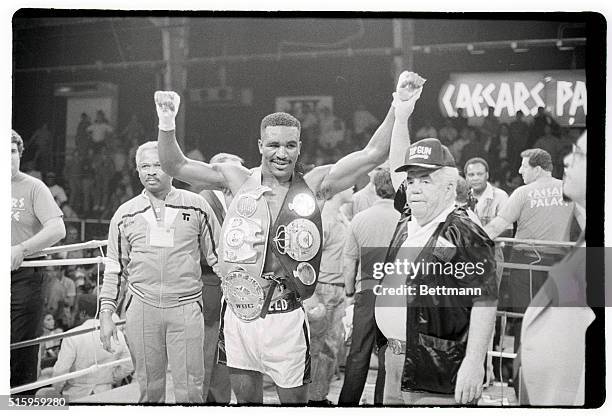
87, 245
100, 259
67, 334
68, 376
63, 262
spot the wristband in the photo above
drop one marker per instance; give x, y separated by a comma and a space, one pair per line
165, 125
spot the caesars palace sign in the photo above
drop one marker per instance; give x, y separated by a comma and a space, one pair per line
563, 93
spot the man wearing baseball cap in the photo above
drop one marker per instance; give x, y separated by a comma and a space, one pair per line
429, 358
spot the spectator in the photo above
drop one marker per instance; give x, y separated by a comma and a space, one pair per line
134, 131
460, 122
489, 199
41, 142
53, 291
474, 148
82, 351
310, 131
490, 125
102, 165
72, 237
68, 284
87, 183
336, 136
540, 120
82, 139
49, 349
72, 178
448, 134
552, 144
118, 155
29, 168
118, 197
363, 124
373, 227
100, 131
367, 196
332, 130
519, 135
456, 148
69, 213
327, 332
56, 190
427, 131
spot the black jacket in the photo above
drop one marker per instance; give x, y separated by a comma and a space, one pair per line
437, 325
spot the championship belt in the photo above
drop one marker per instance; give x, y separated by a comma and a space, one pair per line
239, 238
244, 295
299, 239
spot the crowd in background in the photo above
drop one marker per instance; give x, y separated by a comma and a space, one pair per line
99, 174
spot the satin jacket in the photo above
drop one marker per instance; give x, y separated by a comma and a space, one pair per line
437, 325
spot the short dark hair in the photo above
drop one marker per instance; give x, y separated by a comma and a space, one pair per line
279, 119
88, 303
16, 138
474, 161
538, 157
383, 184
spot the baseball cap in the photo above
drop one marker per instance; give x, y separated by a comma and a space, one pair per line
427, 154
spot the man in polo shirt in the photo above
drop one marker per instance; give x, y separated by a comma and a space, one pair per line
368, 237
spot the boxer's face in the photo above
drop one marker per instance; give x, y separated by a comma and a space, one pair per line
280, 148
152, 177
574, 178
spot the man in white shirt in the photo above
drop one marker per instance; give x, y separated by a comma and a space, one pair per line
85, 350
490, 199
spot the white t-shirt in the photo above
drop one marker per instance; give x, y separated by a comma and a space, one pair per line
391, 318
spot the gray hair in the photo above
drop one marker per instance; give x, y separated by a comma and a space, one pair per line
152, 145
447, 176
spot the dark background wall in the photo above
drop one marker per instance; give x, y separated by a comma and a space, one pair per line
235, 129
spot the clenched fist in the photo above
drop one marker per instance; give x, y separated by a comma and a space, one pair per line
408, 84
167, 105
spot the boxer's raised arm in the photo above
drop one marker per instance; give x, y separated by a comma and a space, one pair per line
400, 136
348, 169
345, 172
172, 159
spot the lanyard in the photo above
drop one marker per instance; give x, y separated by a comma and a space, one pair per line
156, 211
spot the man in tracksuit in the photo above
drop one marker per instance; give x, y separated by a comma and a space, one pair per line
155, 240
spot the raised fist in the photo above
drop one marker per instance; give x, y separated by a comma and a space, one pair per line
167, 105
408, 84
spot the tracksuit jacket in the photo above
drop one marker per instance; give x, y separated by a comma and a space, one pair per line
163, 277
